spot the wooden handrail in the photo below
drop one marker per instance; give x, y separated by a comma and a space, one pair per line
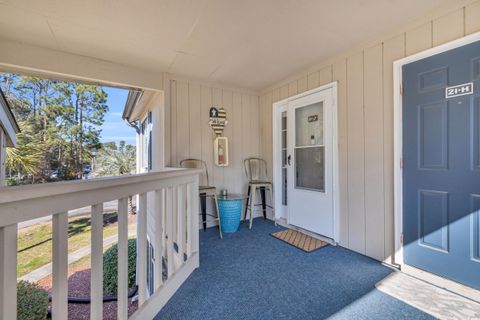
23, 203
174, 208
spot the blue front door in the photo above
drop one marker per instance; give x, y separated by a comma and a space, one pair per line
441, 164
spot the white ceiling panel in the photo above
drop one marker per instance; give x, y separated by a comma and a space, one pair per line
247, 43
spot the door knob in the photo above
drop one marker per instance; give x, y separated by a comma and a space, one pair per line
289, 158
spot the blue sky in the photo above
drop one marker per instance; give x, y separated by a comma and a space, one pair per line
114, 128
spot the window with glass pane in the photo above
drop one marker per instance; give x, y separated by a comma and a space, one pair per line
309, 148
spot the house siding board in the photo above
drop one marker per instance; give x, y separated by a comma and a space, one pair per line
472, 18
449, 27
192, 136
340, 75
236, 144
393, 49
325, 75
356, 152
194, 113
419, 39
313, 80
207, 133
356, 198
228, 175
302, 84
292, 88
182, 122
267, 148
374, 183
173, 124
217, 99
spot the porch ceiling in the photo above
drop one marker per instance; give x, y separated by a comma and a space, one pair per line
248, 43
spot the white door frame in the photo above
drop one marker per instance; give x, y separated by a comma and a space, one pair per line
277, 163
398, 131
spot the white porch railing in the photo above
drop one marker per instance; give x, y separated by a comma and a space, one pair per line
175, 208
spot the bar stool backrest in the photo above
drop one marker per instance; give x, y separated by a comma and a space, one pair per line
255, 169
197, 164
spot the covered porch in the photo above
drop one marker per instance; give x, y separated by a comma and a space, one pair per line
252, 275
254, 61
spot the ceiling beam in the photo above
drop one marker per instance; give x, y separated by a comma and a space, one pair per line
37, 61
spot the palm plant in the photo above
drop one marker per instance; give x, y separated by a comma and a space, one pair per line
26, 158
115, 161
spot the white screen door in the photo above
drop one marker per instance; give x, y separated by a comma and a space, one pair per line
310, 163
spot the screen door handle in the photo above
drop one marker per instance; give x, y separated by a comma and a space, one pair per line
289, 158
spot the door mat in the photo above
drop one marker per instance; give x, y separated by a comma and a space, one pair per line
299, 240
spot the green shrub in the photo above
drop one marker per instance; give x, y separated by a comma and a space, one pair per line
32, 301
110, 264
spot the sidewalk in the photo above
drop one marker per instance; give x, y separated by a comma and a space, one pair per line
46, 270
107, 207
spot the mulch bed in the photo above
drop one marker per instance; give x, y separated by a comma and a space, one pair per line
79, 286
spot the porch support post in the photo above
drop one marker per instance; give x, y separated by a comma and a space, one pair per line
8, 272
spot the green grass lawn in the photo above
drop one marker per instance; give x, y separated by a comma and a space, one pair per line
35, 242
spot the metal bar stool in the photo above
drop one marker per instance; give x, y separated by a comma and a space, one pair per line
205, 190
256, 172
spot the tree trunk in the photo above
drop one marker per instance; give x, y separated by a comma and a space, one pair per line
130, 205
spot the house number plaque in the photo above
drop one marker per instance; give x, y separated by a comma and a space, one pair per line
460, 90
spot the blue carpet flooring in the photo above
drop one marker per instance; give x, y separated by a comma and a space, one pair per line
251, 275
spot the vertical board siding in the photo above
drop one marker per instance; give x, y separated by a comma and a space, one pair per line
393, 49
292, 88
302, 84
267, 148
236, 151
313, 80
173, 124
419, 39
192, 136
365, 124
217, 101
448, 28
374, 189
182, 121
340, 75
325, 75
195, 120
229, 175
356, 152
207, 133
472, 18
284, 92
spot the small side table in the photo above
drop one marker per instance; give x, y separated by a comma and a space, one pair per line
230, 207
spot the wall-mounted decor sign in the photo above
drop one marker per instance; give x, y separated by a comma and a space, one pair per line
218, 120
220, 150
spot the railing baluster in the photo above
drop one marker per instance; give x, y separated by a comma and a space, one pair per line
190, 212
175, 225
194, 214
60, 266
8, 272
122, 292
181, 222
158, 235
142, 248
170, 249
96, 278
175, 208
